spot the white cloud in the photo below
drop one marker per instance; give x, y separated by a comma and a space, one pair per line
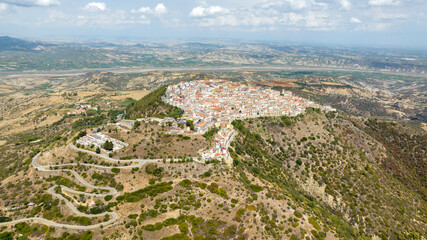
384, 2
306, 4
158, 10
298, 4
47, 3
207, 11
142, 10
144, 20
382, 16
374, 27
32, 3
95, 6
319, 21
345, 4
3, 7
355, 20
56, 16
268, 16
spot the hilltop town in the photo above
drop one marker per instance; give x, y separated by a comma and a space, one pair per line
216, 103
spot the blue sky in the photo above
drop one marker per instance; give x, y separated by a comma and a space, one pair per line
398, 23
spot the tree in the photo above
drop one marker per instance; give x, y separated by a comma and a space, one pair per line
98, 150
108, 145
136, 125
190, 123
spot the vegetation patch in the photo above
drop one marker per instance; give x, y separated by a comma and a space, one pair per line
153, 105
150, 191
256, 188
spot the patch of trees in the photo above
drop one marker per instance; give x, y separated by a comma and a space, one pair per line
152, 105
153, 169
85, 221
5, 219
210, 133
90, 121
66, 182
150, 191
108, 145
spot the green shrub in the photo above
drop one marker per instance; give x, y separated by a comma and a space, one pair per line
183, 227
185, 183
297, 214
6, 235
256, 188
314, 223
206, 174
240, 212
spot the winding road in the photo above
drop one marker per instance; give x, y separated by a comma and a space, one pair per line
111, 191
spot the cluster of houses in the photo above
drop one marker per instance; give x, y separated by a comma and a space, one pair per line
221, 143
207, 102
81, 109
97, 139
216, 103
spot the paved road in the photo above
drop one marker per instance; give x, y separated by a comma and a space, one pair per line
111, 191
47, 168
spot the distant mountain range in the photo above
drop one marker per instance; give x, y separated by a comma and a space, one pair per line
15, 44
97, 55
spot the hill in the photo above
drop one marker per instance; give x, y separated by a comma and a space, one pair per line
152, 105
15, 44
318, 175
336, 171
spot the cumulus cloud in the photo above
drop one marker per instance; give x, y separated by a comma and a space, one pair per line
142, 10
272, 15
384, 2
306, 4
32, 3
345, 4
95, 7
207, 11
355, 20
298, 4
158, 10
47, 3
3, 7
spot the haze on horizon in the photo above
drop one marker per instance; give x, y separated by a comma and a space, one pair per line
377, 23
